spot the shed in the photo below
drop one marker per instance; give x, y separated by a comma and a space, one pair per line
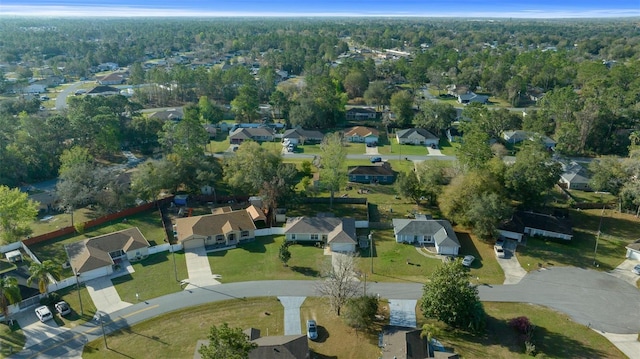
181, 199
14, 256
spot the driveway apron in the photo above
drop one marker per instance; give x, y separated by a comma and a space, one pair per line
402, 312
35, 331
623, 271
198, 268
291, 306
513, 271
105, 296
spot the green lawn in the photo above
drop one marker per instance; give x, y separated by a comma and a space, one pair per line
11, 340
306, 261
61, 220
154, 276
555, 336
149, 223
6, 266
77, 317
617, 231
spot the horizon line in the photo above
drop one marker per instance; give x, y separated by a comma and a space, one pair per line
31, 11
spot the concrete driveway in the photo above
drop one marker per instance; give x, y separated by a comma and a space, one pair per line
105, 297
198, 268
513, 271
292, 324
371, 150
434, 151
623, 271
402, 312
35, 331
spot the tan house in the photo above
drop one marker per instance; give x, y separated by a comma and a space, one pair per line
98, 256
224, 227
362, 134
338, 233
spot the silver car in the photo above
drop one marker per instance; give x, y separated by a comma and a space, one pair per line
467, 260
43, 313
312, 329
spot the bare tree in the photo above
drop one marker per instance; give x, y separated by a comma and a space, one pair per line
341, 283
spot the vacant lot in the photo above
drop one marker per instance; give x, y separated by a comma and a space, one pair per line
555, 336
174, 335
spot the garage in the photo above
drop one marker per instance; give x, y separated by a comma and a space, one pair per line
342, 247
633, 250
193, 243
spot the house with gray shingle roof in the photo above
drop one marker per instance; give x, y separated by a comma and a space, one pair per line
574, 176
98, 256
259, 134
417, 136
301, 136
270, 347
380, 172
338, 233
423, 230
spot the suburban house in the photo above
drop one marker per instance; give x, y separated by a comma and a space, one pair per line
633, 250
338, 233
258, 134
224, 227
536, 224
361, 113
270, 347
380, 172
470, 97
103, 90
517, 136
362, 134
403, 343
174, 114
35, 89
417, 136
574, 176
211, 129
423, 230
116, 78
299, 136
98, 256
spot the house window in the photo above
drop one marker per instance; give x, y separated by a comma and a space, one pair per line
116, 254
245, 234
293, 237
415, 238
314, 237
220, 238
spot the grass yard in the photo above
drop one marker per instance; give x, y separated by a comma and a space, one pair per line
149, 223
6, 266
11, 340
154, 276
77, 317
357, 211
61, 220
618, 230
485, 268
262, 254
555, 336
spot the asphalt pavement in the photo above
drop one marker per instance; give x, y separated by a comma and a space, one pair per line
591, 298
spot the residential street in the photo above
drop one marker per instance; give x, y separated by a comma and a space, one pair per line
591, 298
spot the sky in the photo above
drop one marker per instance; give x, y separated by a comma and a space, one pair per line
400, 8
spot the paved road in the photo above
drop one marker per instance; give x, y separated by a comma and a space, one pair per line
61, 99
589, 297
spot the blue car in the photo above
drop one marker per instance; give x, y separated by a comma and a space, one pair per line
376, 159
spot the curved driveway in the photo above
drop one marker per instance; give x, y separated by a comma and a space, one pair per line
61, 99
589, 297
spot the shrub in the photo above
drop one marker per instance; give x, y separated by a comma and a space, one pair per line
50, 299
521, 324
79, 227
529, 348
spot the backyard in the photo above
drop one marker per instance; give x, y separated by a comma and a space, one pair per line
149, 223
11, 340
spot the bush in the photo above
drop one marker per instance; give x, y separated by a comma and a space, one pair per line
50, 299
521, 324
79, 227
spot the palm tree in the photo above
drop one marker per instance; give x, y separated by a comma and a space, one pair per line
41, 272
429, 331
9, 294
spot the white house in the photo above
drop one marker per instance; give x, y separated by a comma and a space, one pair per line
98, 256
574, 176
338, 233
536, 224
417, 136
362, 134
633, 250
427, 231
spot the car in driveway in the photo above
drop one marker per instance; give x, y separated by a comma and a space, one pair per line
376, 159
312, 329
63, 308
636, 269
499, 251
467, 260
500, 242
43, 313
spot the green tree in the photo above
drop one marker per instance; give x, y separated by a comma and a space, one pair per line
402, 106
485, 213
186, 138
245, 105
17, 212
435, 116
607, 175
409, 186
450, 298
361, 311
284, 254
250, 167
533, 174
355, 83
475, 150
333, 174
41, 273
431, 175
226, 343
377, 94
464, 190
9, 293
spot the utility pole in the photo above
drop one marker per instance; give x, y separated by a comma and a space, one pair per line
595, 251
175, 268
104, 335
371, 249
78, 290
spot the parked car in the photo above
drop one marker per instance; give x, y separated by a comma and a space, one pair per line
499, 251
636, 269
43, 313
372, 144
376, 159
467, 260
63, 308
500, 242
312, 329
